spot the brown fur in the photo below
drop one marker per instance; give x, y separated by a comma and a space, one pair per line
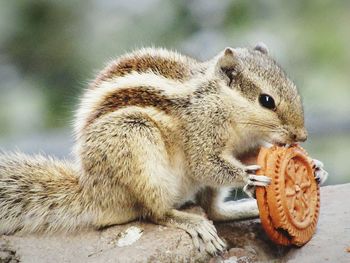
158, 65
135, 96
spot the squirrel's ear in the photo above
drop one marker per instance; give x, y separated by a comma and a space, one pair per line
262, 48
227, 64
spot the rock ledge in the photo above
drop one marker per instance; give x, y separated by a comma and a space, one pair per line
144, 242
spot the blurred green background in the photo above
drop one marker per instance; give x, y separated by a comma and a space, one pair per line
50, 50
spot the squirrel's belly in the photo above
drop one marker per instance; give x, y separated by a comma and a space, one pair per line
185, 188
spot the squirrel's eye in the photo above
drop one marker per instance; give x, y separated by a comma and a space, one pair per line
267, 101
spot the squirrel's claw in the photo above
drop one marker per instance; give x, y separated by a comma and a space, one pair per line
254, 180
251, 169
318, 163
320, 174
205, 238
258, 180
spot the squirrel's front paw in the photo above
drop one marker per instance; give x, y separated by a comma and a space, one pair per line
254, 180
320, 174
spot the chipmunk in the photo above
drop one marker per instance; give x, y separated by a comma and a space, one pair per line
154, 130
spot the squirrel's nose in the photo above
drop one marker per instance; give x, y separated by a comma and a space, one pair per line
300, 136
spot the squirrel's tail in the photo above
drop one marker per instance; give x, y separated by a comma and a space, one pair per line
40, 194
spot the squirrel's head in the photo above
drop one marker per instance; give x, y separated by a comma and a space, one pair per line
268, 101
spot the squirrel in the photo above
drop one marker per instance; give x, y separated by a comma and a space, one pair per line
155, 130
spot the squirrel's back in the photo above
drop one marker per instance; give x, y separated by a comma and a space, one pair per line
148, 77
158, 61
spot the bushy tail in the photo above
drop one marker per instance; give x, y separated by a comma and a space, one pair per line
39, 194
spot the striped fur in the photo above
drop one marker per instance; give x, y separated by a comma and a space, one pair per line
170, 65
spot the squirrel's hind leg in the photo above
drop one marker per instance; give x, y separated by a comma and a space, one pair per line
139, 159
159, 190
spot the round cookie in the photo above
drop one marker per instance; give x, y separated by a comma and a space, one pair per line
289, 206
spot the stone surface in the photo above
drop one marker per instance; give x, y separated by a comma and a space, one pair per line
152, 243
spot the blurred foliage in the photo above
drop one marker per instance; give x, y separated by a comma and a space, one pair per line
43, 47
49, 50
